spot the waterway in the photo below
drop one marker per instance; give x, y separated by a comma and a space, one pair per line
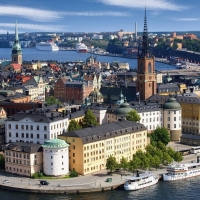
30, 54
183, 189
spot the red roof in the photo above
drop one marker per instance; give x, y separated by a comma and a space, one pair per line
16, 66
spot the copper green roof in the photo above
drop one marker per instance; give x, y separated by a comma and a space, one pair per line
55, 143
172, 104
123, 110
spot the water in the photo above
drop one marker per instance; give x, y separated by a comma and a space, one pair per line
30, 54
184, 190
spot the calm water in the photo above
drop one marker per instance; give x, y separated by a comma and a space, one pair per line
183, 190
62, 56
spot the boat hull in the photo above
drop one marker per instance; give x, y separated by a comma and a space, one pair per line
138, 185
46, 46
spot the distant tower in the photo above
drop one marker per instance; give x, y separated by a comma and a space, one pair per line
16, 49
135, 31
7, 36
146, 76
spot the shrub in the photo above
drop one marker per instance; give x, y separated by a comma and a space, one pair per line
73, 174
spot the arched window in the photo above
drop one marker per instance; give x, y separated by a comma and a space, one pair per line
149, 68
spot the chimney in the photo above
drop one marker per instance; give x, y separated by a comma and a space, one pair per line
63, 113
191, 90
52, 116
27, 93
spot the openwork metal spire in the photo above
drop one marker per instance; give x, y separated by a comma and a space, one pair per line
16, 32
145, 46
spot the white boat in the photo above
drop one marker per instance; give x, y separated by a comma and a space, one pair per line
181, 171
140, 181
81, 48
47, 46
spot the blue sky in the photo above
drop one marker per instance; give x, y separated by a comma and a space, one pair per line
98, 15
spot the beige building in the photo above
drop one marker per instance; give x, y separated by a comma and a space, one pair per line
90, 147
23, 159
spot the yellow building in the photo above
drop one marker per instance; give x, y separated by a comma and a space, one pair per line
23, 159
90, 147
30, 65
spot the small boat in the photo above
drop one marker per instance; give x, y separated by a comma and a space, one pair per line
181, 171
140, 181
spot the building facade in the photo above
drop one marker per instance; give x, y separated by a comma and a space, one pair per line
23, 159
90, 147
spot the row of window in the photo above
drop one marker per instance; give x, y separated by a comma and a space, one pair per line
13, 170
17, 155
174, 118
27, 135
175, 126
17, 161
190, 123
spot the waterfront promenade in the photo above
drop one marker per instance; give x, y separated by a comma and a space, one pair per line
95, 182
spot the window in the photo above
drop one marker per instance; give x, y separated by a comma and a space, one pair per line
31, 127
73, 154
51, 164
31, 135
174, 125
73, 146
38, 136
168, 118
35, 156
16, 126
45, 128
45, 136
38, 128
73, 161
51, 157
174, 112
149, 68
16, 134
73, 140
26, 135
174, 118
168, 126
22, 127
22, 135
9, 126
26, 127
35, 162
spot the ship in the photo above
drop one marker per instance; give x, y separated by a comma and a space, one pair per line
140, 181
81, 48
47, 46
182, 171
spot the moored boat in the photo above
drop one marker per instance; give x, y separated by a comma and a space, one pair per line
81, 48
182, 171
140, 181
47, 46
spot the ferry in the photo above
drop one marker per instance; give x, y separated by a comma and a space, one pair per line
181, 171
140, 181
81, 48
47, 46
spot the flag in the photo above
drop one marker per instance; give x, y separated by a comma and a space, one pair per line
137, 93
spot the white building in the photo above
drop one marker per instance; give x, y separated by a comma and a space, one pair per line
97, 37
35, 126
55, 157
172, 118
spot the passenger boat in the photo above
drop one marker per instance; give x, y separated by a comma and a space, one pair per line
181, 171
81, 48
47, 46
140, 181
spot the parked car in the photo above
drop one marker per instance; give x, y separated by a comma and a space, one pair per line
44, 182
6, 181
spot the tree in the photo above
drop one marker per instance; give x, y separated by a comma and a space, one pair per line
178, 157
111, 163
133, 116
135, 163
73, 125
2, 162
160, 134
155, 161
89, 119
124, 163
52, 100
166, 158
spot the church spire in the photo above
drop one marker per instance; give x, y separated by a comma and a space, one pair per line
145, 45
16, 32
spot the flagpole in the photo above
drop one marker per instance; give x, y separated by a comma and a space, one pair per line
139, 98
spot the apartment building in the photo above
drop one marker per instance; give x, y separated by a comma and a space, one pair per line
23, 159
90, 147
35, 126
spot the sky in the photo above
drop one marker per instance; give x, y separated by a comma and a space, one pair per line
98, 15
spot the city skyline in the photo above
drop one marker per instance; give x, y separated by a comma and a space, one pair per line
98, 15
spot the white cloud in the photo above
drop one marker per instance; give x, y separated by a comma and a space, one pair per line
150, 4
97, 14
35, 27
29, 13
3, 31
184, 19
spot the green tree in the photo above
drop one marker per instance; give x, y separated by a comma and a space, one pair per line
160, 134
178, 157
171, 152
150, 149
89, 119
155, 161
111, 163
135, 163
133, 116
73, 125
52, 100
124, 163
167, 159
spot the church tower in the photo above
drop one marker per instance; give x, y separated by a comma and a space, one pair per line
146, 76
16, 49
